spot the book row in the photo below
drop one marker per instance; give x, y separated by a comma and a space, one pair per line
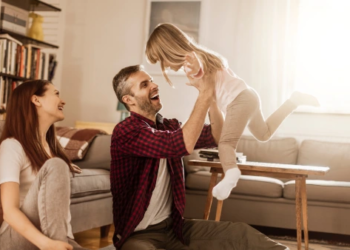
27, 61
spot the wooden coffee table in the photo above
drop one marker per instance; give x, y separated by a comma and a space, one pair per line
296, 172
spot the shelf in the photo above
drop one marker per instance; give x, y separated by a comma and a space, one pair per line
32, 5
37, 5
25, 39
14, 77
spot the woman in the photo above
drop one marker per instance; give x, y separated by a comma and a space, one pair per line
34, 172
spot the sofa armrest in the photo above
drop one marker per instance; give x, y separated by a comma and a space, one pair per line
98, 155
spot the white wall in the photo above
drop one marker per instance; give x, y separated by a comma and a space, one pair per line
54, 30
101, 37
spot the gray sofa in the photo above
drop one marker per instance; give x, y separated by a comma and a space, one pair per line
270, 202
256, 200
91, 200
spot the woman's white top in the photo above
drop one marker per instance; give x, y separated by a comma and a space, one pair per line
16, 167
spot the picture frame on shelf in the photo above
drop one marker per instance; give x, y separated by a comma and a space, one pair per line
185, 14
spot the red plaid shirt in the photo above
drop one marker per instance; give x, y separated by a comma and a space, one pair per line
137, 146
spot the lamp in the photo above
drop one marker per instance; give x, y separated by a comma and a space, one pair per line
123, 110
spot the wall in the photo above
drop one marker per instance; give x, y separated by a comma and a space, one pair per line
100, 39
54, 30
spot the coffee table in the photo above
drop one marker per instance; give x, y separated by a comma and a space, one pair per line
298, 173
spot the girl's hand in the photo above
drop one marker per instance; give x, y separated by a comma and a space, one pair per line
192, 64
57, 245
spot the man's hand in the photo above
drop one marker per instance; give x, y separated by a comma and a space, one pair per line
205, 84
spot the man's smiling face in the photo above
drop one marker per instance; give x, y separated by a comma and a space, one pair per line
144, 95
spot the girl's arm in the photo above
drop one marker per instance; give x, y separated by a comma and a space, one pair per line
193, 66
21, 224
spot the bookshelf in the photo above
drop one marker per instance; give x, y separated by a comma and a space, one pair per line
14, 77
28, 40
24, 58
42, 6
32, 5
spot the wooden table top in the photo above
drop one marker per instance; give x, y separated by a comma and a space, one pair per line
264, 167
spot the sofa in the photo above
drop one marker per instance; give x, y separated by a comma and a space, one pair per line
270, 202
91, 199
259, 201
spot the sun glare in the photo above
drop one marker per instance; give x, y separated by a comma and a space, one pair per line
323, 51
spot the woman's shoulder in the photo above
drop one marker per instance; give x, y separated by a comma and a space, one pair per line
12, 153
11, 144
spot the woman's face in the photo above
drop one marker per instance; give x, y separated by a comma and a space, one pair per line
51, 105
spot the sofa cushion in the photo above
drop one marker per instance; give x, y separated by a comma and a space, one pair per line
319, 190
90, 181
247, 185
329, 154
98, 155
276, 150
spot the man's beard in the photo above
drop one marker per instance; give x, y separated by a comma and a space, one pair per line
147, 107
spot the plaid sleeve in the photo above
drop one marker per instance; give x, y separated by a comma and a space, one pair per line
206, 139
145, 141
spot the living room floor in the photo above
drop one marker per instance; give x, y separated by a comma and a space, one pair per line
91, 239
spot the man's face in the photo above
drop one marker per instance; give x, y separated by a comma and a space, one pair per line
144, 95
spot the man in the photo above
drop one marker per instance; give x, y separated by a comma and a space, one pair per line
147, 175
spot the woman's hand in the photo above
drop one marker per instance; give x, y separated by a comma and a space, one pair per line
56, 245
76, 169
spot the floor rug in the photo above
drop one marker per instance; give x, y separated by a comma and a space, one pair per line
312, 246
111, 247
291, 244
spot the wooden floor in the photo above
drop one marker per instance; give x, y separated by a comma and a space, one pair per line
91, 239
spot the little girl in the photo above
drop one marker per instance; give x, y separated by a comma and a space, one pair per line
238, 101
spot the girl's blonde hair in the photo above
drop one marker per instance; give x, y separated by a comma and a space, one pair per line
168, 43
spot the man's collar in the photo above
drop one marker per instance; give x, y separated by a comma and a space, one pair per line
159, 118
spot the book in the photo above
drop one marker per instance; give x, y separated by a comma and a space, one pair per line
213, 155
13, 27
8, 37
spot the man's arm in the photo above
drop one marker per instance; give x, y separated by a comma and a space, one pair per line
216, 121
194, 125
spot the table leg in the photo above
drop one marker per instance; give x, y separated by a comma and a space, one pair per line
213, 179
304, 208
218, 210
219, 205
298, 209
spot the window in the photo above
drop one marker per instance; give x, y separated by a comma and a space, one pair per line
323, 52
